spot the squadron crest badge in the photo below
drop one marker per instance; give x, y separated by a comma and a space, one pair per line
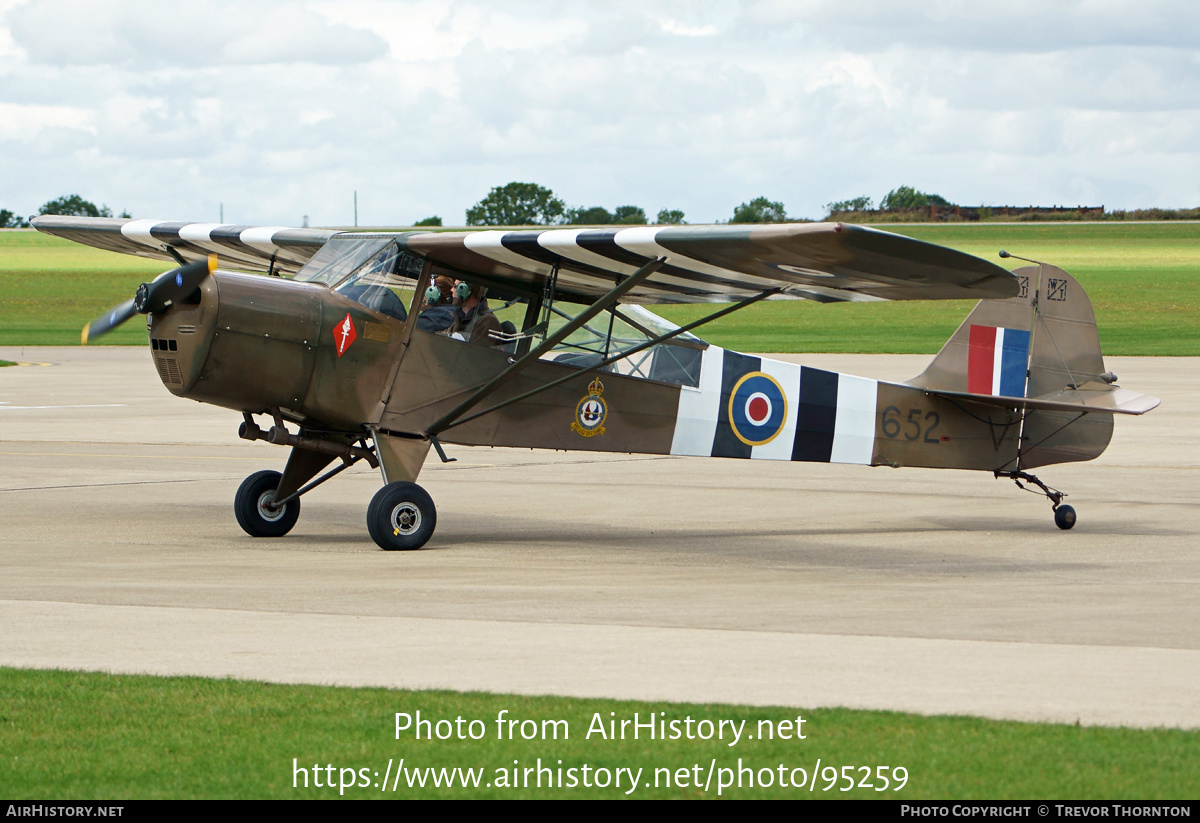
591, 412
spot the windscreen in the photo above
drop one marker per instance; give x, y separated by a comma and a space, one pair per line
385, 282
341, 256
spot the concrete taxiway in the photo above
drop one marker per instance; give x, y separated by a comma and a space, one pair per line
655, 578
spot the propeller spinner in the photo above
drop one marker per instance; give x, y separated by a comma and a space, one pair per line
169, 287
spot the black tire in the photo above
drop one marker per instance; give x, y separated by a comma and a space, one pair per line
1064, 517
401, 517
254, 515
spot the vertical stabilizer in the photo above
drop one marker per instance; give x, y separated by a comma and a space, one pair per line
1043, 342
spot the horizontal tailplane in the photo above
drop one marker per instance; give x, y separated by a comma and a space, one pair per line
1087, 398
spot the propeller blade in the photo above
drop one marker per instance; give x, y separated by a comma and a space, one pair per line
107, 321
172, 286
169, 287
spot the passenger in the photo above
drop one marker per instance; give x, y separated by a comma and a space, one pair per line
476, 320
438, 312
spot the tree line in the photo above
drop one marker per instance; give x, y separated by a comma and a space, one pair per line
71, 205
528, 204
901, 198
515, 204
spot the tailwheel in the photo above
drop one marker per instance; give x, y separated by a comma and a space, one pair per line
401, 517
1064, 517
255, 510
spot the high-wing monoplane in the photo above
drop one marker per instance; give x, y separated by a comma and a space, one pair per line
355, 346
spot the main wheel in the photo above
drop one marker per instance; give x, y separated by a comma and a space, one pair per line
401, 517
254, 510
1064, 517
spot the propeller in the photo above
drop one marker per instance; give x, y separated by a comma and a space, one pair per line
169, 287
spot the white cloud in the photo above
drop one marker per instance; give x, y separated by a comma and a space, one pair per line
280, 110
22, 123
144, 33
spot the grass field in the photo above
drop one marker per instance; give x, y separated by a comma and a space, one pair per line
49, 288
84, 736
1143, 278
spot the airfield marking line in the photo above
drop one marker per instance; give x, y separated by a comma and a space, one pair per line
75, 406
100, 485
557, 462
463, 465
77, 455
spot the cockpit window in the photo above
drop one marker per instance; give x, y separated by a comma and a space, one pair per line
341, 256
384, 282
624, 329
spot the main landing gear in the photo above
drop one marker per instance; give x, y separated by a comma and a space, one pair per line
1064, 515
401, 516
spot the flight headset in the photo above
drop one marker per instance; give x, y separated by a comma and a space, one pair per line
433, 295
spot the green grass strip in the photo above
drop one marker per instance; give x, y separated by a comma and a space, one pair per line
96, 736
50, 287
1143, 279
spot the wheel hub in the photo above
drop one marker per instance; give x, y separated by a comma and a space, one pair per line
406, 519
266, 510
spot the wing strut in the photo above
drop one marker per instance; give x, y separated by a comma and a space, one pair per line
619, 356
607, 301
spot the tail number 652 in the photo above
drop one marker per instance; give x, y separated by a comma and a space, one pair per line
918, 422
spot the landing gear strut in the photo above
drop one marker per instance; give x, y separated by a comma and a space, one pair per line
1064, 516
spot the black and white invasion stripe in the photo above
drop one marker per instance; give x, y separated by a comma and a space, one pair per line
248, 247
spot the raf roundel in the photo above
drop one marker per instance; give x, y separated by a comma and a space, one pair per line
757, 409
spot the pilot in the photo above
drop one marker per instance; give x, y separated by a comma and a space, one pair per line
476, 321
438, 312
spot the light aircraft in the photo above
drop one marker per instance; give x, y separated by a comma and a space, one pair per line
333, 337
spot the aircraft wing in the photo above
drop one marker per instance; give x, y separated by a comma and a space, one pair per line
826, 262
237, 247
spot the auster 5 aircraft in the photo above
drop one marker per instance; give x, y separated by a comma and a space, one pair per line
336, 348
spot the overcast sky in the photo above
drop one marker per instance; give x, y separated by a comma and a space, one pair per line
284, 109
